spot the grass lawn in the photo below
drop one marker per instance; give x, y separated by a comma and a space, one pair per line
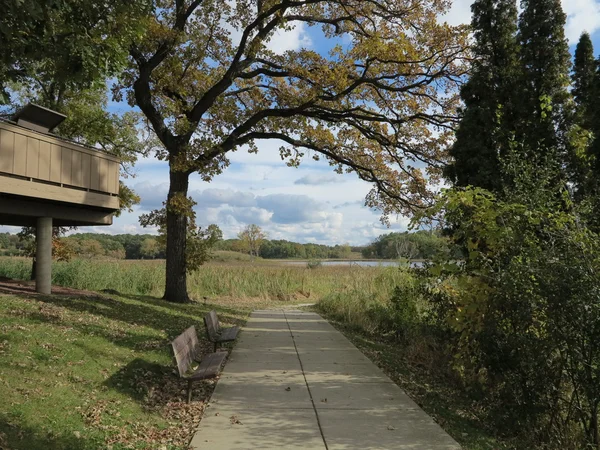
95, 372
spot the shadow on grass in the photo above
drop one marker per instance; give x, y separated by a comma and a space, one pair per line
225, 314
139, 379
172, 318
155, 386
19, 437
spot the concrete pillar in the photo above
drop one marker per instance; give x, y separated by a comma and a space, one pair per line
43, 236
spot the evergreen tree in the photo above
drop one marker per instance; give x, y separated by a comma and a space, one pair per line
584, 93
486, 127
544, 117
584, 73
592, 156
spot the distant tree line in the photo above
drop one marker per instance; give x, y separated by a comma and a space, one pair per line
10, 245
418, 245
145, 246
92, 245
120, 246
282, 249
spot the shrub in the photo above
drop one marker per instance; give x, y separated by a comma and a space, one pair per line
404, 314
392, 306
314, 264
525, 310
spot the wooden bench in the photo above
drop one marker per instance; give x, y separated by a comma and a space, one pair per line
215, 333
186, 351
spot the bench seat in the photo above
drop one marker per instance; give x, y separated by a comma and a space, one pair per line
186, 351
209, 367
228, 334
215, 333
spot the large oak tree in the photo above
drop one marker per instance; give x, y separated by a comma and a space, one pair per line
380, 103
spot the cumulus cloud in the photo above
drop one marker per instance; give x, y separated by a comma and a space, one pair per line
244, 207
582, 15
218, 197
284, 209
459, 13
254, 215
291, 208
293, 39
152, 195
360, 203
318, 179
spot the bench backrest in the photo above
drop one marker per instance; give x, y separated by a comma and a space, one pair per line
212, 325
185, 347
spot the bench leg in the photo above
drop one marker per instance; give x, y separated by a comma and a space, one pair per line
215, 346
189, 391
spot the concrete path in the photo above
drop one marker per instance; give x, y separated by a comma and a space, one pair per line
294, 382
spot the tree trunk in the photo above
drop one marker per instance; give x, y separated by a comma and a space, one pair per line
594, 427
33, 269
176, 276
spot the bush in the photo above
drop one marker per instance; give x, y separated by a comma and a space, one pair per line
525, 310
394, 314
404, 314
314, 264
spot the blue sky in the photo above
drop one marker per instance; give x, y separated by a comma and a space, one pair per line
306, 204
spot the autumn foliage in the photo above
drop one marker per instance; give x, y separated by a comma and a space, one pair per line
379, 103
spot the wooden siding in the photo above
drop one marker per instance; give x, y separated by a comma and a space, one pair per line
48, 161
41, 191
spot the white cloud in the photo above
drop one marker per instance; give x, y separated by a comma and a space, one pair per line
152, 195
293, 39
282, 40
9, 229
218, 197
285, 210
268, 154
319, 178
582, 15
244, 216
459, 13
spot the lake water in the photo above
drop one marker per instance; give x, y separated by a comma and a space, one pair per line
358, 263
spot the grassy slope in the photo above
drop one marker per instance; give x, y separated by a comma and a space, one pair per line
95, 372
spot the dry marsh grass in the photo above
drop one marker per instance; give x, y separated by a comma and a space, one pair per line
238, 279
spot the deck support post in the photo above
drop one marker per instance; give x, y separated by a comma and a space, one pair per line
43, 255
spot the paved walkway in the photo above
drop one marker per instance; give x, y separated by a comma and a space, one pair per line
294, 382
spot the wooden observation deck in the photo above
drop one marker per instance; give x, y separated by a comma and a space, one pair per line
47, 181
40, 172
